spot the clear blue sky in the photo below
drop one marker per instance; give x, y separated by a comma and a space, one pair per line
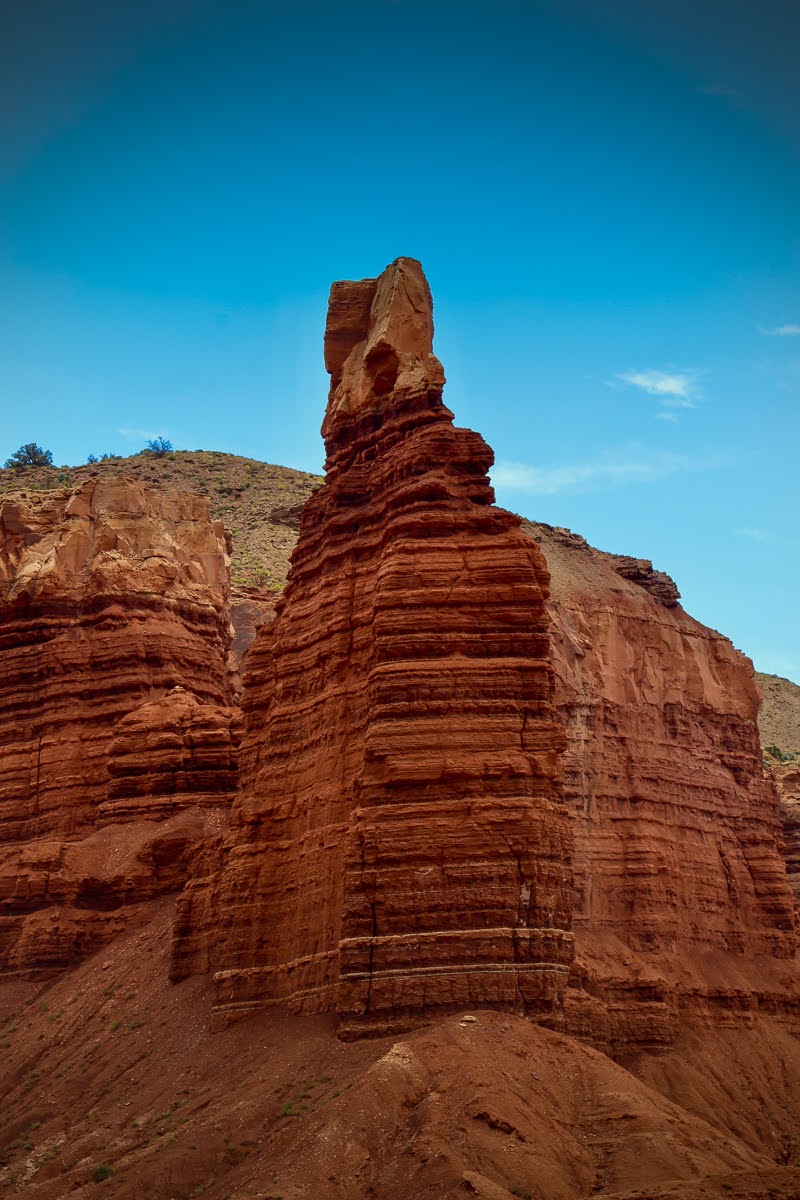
605, 197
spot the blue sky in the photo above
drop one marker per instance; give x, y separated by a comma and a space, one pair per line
604, 198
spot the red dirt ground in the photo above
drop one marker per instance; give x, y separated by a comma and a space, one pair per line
113, 1071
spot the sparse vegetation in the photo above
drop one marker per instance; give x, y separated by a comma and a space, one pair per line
159, 446
101, 1171
780, 755
30, 455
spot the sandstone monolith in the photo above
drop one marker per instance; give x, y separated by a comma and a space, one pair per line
400, 847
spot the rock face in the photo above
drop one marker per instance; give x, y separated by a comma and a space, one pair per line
640, 570
682, 901
400, 846
250, 608
110, 596
786, 778
171, 754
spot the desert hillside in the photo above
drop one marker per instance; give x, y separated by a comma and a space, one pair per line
779, 715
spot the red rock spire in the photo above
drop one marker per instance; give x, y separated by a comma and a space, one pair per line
379, 342
400, 847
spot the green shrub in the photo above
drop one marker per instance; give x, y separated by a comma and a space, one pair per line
778, 754
30, 455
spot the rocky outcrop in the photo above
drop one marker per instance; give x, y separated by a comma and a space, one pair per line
786, 778
636, 570
110, 596
400, 846
640, 571
682, 903
251, 607
171, 754
383, 702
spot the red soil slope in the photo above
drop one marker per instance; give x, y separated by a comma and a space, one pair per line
114, 1067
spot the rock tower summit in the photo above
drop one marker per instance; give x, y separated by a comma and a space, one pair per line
399, 847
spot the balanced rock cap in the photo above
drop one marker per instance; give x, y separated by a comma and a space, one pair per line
379, 340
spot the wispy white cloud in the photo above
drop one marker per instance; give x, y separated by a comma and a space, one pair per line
781, 331
766, 538
674, 389
593, 476
135, 435
756, 535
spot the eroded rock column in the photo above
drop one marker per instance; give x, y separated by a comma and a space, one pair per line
400, 846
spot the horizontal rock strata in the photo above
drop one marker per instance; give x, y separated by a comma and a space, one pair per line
786, 778
110, 596
171, 754
682, 901
400, 846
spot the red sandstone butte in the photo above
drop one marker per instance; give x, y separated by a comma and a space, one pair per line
400, 847
110, 596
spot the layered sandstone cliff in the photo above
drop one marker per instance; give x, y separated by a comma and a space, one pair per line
400, 846
682, 900
110, 596
383, 715
786, 779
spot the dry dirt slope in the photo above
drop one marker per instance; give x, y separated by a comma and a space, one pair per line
779, 718
113, 1086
